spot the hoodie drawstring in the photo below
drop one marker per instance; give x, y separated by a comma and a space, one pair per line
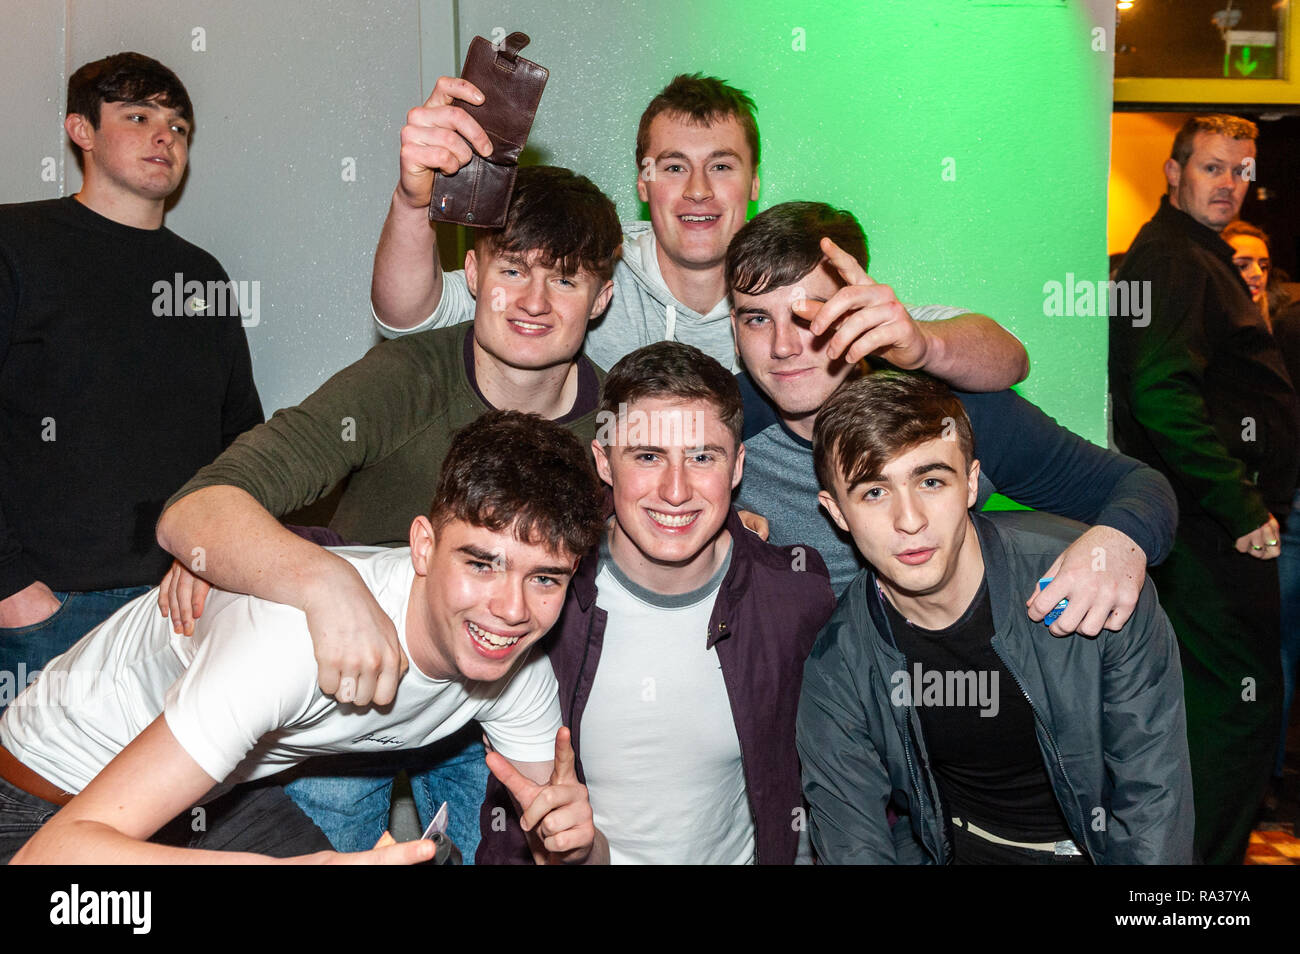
670, 314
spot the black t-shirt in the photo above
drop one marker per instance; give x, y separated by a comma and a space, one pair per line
978, 726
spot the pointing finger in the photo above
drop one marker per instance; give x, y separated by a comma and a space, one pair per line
850, 268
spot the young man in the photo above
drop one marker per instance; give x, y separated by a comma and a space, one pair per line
931, 692
139, 723
96, 433
799, 268
682, 639
1201, 392
383, 424
697, 153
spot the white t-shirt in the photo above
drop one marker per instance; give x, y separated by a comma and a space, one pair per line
241, 695
659, 743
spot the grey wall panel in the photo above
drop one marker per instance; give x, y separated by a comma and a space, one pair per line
606, 60
32, 92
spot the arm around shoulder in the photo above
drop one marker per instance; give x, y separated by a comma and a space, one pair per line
975, 353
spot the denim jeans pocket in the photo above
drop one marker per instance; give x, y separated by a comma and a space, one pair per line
18, 809
65, 599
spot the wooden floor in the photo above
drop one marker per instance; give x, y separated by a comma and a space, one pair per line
1274, 846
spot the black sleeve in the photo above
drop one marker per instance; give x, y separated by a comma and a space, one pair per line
1144, 742
15, 575
1037, 462
242, 406
845, 781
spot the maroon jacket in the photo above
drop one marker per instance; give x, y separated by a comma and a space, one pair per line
772, 604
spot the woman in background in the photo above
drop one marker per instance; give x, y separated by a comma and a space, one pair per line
1250, 248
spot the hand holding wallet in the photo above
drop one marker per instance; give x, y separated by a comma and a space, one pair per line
478, 194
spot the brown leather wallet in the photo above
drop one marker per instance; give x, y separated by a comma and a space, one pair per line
478, 194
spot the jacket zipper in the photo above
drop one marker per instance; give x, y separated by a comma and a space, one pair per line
922, 793
1056, 752
912, 770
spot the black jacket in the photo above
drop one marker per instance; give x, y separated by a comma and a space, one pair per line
1199, 389
1108, 711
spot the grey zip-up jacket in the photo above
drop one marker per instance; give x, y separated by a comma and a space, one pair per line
1108, 712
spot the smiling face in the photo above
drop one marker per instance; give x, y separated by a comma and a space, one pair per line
698, 182
528, 315
1213, 184
911, 520
672, 470
781, 353
139, 150
480, 599
1250, 255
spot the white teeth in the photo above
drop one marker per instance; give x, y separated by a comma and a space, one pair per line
529, 325
671, 519
698, 218
492, 639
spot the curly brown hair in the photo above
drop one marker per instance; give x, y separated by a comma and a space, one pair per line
511, 469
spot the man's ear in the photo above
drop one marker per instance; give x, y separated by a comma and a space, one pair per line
1173, 173
827, 500
423, 540
601, 454
753, 189
739, 470
80, 131
735, 340
973, 484
602, 301
642, 192
471, 272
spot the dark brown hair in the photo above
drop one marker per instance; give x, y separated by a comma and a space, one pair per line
564, 217
702, 101
511, 469
780, 246
125, 78
670, 369
872, 419
1219, 124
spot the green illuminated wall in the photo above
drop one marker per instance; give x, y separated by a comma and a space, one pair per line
862, 104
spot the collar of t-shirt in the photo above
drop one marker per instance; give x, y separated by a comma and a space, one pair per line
959, 625
588, 385
89, 218
661, 600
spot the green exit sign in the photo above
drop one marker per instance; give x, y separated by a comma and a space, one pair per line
1250, 54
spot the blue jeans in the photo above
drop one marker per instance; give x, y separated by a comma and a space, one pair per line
24, 650
255, 817
1288, 570
352, 807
